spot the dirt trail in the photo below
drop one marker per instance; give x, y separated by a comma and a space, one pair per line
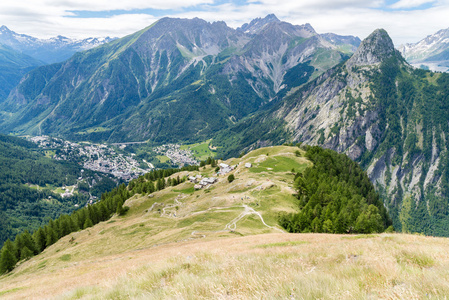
232, 226
247, 211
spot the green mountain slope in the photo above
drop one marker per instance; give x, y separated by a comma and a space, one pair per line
383, 113
31, 186
13, 65
176, 80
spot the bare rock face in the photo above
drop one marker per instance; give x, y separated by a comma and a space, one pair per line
374, 49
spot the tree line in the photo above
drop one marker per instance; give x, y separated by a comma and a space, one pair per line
336, 196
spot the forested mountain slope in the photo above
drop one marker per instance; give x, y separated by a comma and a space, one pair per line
31, 186
13, 65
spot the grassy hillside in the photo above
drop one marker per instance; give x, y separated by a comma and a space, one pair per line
225, 241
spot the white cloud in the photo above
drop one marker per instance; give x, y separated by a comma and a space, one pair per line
410, 3
45, 18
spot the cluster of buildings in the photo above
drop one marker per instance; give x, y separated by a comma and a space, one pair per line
202, 182
176, 154
95, 157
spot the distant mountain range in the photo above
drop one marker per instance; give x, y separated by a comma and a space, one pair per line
431, 52
21, 53
52, 50
13, 66
177, 79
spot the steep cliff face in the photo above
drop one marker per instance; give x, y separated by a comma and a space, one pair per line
389, 117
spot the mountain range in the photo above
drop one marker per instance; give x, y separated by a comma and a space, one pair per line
163, 82
20, 53
431, 52
52, 50
13, 66
382, 112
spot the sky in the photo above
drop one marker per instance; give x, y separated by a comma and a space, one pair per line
407, 21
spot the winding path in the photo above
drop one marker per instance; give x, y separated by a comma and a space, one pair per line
248, 211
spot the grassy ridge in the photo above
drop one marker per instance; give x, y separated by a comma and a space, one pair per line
215, 242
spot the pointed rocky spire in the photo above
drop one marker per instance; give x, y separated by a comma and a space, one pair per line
374, 49
258, 23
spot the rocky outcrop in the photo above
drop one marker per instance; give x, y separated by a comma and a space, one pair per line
377, 47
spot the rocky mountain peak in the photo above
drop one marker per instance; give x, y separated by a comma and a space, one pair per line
374, 49
257, 24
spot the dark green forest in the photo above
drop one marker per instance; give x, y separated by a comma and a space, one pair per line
25, 206
335, 196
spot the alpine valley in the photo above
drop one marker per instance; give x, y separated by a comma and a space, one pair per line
265, 83
174, 81
286, 130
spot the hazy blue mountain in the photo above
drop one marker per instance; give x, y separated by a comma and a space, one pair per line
50, 50
431, 52
13, 65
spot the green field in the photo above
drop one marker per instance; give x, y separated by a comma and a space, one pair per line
279, 164
200, 151
162, 158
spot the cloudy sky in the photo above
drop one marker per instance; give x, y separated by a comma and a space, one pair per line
405, 20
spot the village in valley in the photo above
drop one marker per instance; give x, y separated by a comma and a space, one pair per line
96, 157
117, 161
112, 159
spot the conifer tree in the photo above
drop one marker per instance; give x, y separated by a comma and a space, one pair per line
7, 261
25, 253
88, 223
103, 213
50, 236
119, 209
39, 240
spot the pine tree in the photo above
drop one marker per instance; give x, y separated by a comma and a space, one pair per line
64, 227
119, 209
88, 223
81, 216
7, 261
25, 253
103, 213
39, 240
151, 188
160, 184
50, 236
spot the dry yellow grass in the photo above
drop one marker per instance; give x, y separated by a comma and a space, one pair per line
268, 266
178, 245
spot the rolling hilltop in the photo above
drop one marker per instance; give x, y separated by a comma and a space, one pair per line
225, 241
